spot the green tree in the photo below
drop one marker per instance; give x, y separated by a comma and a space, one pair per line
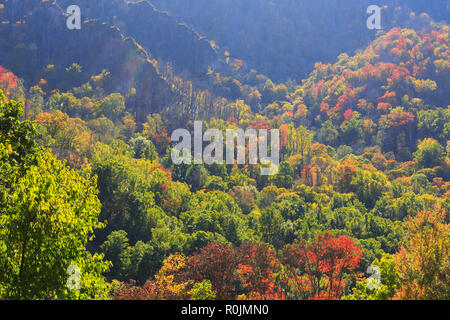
271, 226
114, 249
429, 154
351, 131
197, 176
143, 148
284, 177
111, 106
202, 291
389, 282
47, 218
48, 212
16, 136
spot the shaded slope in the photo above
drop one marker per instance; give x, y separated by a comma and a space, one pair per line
42, 39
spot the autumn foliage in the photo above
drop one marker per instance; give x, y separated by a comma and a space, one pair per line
321, 269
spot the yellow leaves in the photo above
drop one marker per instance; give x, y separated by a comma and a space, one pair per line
72, 137
423, 262
166, 283
424, 85
406, 181
9, 149
430, 201
53, 211
441, 65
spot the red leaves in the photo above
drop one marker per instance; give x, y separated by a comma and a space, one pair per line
400, 74
316, 270
8, 80
397, 119
345, 174
260, 124
309, 173
255, 265
216, 263
284, 130
384, 107
389, 97
258, 270
133, 292
324, 107
345, 100
348, 114
162, 141
320, 267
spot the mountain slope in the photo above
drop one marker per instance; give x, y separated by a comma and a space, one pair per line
40, 39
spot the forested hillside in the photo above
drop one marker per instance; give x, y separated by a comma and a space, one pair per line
87, 179
296, 34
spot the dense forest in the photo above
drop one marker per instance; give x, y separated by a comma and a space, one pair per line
92, 205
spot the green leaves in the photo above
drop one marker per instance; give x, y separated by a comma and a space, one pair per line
47, 214
47, 219
15, 135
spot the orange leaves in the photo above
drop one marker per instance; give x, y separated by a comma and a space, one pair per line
237, 64
389, 97
318, 89
319, 268
398, 118
369, 126
52, 121
301, 111
345, 177
8, 81
423, 262
384, 107
168, 283
258, 270
284, 131
72, 138
442, 186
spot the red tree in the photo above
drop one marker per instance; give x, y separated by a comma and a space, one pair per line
259, 271
319, 269
216, 263
131, 291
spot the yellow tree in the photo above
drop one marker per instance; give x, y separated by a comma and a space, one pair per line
424, 260
299, 142
166, 282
